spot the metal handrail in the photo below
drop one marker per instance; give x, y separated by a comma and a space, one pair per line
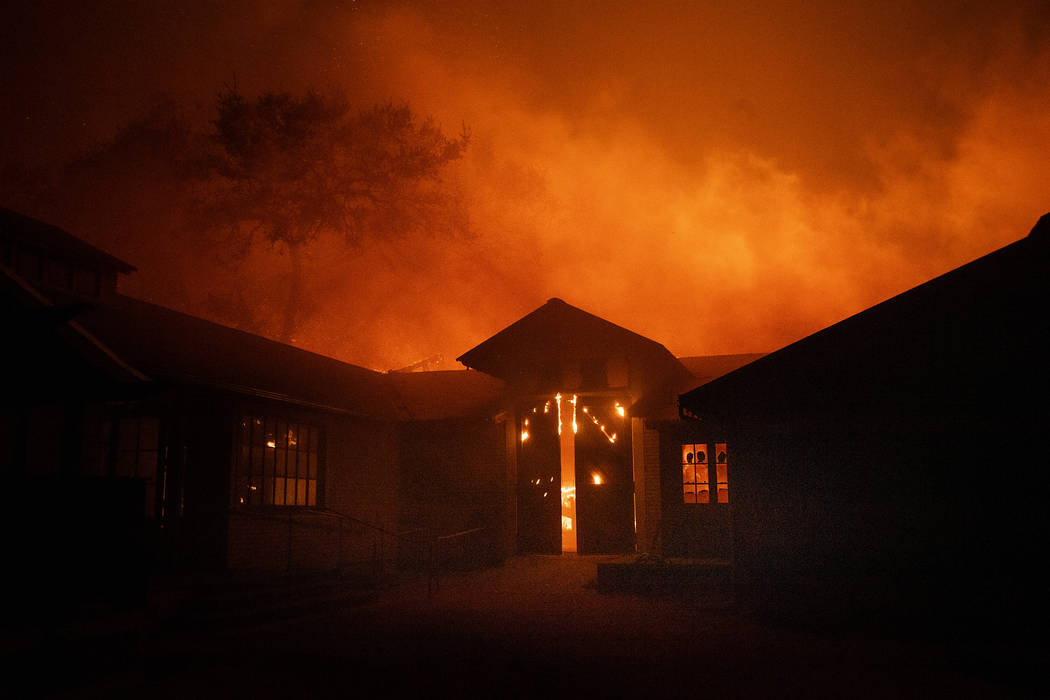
428, 546
415, 536
302, 517
371, 526
432, 567
459, 534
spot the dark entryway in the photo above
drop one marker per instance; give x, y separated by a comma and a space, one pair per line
592, 514
539, 483
604, 492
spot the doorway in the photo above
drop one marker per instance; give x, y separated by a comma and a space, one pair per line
575, 479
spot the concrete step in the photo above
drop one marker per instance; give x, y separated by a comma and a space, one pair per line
641, 574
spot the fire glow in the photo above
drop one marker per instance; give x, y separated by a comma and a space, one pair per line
568, 508
678, 171
614, 411
611, 437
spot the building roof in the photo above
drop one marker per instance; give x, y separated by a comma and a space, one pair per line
966, 341
55, 241
48, 341
702, 369
558, 329
446, 394
170, 346
706, 368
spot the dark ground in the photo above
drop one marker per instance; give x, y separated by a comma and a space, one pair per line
535, 626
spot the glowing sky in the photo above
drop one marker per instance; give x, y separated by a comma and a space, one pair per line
718, 178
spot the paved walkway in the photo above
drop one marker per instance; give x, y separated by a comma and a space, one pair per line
537, 627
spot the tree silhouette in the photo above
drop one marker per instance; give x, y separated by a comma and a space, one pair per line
285, 168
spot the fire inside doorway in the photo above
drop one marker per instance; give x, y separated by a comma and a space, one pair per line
575, 478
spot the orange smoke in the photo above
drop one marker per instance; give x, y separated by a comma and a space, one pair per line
718, 179
720, 244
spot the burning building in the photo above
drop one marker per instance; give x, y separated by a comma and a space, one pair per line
888, 462
225, 450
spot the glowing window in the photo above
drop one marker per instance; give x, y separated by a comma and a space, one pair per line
721, 473
696, 472
695, 478
278, 463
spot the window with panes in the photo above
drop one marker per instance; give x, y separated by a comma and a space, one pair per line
138, 454
278, 462
697, 459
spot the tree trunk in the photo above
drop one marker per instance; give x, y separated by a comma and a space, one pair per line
295, 293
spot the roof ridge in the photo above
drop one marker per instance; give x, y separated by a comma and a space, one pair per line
167, 309
1040, 233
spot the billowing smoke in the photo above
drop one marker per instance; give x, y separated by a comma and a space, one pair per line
719, 179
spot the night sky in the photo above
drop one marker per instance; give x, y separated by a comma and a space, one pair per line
719, 178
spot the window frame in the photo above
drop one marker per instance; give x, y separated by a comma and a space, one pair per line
715, 466
273, 453
136, 449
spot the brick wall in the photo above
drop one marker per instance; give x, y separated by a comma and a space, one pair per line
454, 478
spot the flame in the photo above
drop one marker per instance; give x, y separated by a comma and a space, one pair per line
620, 410
611, 437
557, 398
597, 478
524, 435
568, 496
575, 428
271, 444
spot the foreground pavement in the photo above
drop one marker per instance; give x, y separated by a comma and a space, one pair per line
537, 627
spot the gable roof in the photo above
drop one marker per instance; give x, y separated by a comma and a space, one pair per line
53, 240
960, 342
558, 329
44, 334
